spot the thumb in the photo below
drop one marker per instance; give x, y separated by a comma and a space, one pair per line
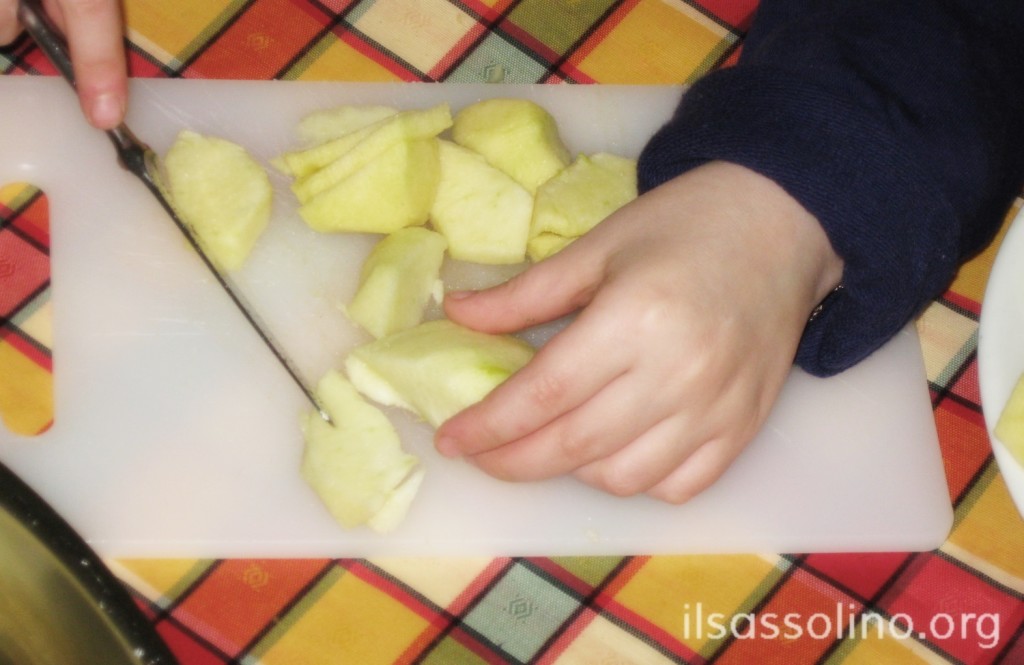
543, 292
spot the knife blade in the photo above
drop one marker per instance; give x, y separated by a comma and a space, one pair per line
136, 157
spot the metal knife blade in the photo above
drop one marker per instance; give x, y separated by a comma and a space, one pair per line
139, 159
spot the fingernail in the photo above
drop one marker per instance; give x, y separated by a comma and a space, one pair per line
459, 295
106, 111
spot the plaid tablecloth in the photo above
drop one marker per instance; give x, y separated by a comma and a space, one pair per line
961, 603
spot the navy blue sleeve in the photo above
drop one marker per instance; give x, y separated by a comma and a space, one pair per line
899, 125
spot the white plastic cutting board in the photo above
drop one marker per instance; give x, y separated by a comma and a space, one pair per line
176, 433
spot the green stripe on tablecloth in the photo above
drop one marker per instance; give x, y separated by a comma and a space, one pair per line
208, 35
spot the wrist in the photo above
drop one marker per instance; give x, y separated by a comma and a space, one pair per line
795, 240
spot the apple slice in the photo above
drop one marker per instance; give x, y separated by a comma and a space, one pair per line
436, 369
482, 212
401, 128
1010, 426
543, 245
327, 124
307, 161
584, 193
394, 190
357, 466
398, 279
221, 192
516, 135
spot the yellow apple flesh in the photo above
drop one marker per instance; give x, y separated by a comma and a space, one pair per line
397, 280
221, 192
517, 136
332, 123
587, 191
482, 212
394, 190
358, 150
357, 465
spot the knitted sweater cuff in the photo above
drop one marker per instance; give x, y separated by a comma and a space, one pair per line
895, 232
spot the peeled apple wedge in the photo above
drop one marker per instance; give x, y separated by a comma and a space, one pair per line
398, 279
394, 190
517, 136
357, 466
327, 124
221, 192
584, 193
1010, 426
482, 212
303, 163
436, 369
358, 149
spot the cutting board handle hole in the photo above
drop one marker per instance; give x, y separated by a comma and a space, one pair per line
26, 329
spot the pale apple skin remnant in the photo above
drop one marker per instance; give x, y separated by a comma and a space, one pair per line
436, 369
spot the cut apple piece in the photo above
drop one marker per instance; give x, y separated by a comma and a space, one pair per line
516, 135
396, 505
392, 191
584, 193
1010, 426
436, 369
303, 163
397, 281
357, 466
221, 192
543, 245
402, 128
406, 125
482, 212
328, 124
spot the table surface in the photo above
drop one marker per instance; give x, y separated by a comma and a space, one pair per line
962, 603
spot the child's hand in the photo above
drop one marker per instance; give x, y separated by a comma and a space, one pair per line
95, 40
693, 299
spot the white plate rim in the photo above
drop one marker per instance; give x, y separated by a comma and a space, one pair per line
1001, 346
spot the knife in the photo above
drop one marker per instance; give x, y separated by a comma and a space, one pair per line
139, 159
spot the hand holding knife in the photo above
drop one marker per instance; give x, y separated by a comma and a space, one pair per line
139, 159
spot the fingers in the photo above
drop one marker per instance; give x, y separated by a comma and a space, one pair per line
9, 27
95, 36
593, 430
562, 376
665, 463
646, 461
543, 292
698, 471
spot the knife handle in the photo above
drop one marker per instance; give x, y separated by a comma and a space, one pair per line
139, 159
130, 150
47, 36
